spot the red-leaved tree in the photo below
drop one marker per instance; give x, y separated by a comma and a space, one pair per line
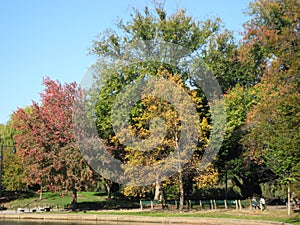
46, 142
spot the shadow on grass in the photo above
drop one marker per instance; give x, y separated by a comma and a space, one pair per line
100, 194
108, 204
14, 195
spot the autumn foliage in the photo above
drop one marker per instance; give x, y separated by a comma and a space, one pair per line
46, 142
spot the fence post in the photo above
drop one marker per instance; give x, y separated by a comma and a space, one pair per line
200, 202
151, 203
176, 204
215, 204
141, 204
211, 204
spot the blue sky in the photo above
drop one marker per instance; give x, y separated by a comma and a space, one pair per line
51, 38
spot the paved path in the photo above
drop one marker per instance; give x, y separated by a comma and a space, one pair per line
94, 218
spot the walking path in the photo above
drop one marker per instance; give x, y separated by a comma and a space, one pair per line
94, 218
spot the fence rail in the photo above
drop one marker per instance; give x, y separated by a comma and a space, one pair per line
197, 204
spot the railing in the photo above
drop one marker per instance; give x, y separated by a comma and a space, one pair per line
196, 204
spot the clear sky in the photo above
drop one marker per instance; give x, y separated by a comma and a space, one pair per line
41, 38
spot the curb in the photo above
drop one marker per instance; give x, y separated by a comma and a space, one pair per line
134, 219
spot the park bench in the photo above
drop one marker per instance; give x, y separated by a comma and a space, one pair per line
21, 210
151, 204
45, 209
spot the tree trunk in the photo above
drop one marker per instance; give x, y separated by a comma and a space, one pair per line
74, 196
157, 191
180, 178
248, 187
108, 187
181, 191
41, 192
226, 185
289, 199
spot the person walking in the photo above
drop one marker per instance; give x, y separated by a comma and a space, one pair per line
262, 202
254, 203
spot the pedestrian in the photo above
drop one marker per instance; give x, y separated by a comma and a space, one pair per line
254, 202
263, 203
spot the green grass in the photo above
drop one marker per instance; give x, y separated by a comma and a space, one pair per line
50, 199
90, 197
54, 199
269, 215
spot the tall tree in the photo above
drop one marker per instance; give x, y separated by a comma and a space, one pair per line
46, 142
274, 122
152, 27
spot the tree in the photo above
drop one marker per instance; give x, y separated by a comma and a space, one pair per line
268, 55
184, 36
274, 132
234, 161
46, 142
166, 137
12, 178
12, 168
273, 123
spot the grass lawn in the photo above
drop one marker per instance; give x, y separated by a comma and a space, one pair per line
54, 200
277, 215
